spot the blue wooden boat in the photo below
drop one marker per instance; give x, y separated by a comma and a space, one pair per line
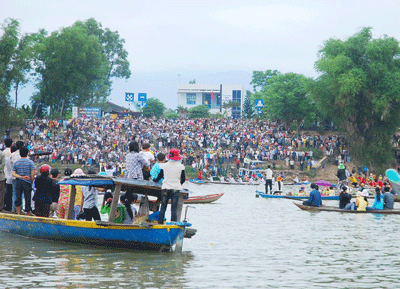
394, 179
293, 197
196, 181
145, 235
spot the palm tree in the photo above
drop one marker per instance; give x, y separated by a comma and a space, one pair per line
182, 111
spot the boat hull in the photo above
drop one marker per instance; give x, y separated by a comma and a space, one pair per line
294, 197
335, 209
203, 199
155, 237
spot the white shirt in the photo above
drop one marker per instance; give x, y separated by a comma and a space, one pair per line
268, 173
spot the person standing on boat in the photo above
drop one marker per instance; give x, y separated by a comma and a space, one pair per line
268, 179
42, 197
173, 173
24, 172
135, 162
315, 199
341, 174
89, 200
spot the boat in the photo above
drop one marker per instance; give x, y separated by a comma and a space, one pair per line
143, 235
198, 182
203, 199
336, 209
394, 179
267, 196
201, 182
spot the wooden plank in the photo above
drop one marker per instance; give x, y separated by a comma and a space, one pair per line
72, 195
114, 203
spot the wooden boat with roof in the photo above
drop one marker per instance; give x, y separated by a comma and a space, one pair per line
336, 209
143, 235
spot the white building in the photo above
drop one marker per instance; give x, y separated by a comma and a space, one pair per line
190, 95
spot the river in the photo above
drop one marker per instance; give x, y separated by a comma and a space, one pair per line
241, 242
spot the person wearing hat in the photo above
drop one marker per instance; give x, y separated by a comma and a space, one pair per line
42, 197
342, 175
173, 173
361, 200
314, 199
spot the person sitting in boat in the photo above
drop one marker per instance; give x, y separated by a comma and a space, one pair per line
106, 208
353, 181
302, 191
380, 183
372, 183
388, 199
200, 175
128, 201
295, 180
378, 203
325, 192
315, 197
240, 180
211, 178
222, 179
231, 179
345, 200
361, 201
42, 197
361, 179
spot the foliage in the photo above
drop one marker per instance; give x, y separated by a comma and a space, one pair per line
154, 108
199, 111
172, 115
113, 49
248, 105
182, 111
16, 54
192, 81
286, 98
72, 68
359, 88
260, 79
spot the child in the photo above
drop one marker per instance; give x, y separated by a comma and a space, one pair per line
106, 208
55, 194
131, 211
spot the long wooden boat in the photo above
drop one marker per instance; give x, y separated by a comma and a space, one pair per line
336, 209
394, 179
293, 197
145, 235
201, 182
203, 199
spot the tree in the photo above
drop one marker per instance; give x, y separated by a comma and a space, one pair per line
113, 50
359, 88
15, 58
199, 111
192, 81
72, 68
260, 78
248, 105
228, 105
182, 111
286, 98
154, 108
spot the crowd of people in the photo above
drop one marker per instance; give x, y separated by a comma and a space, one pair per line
217, 145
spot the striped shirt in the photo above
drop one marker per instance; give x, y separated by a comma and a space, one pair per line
24, 167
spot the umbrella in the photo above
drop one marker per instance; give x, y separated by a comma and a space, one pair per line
323, 183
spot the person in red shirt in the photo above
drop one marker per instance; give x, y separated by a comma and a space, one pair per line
380, 183
361, 179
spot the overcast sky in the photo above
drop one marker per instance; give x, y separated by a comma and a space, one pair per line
172, 42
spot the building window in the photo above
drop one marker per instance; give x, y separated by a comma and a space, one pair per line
237, 96
190, 98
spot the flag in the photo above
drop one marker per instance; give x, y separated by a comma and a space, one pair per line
212, 94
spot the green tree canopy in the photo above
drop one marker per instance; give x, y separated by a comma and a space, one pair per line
16, 54
154, 108
359, 88
260, 79
285, 98
113, 49
199, 111
72, 69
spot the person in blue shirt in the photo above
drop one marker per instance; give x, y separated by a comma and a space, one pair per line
378, 203
315, 197
155, 170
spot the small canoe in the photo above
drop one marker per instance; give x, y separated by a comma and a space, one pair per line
294, 197
203, 199
336, 209
199, 182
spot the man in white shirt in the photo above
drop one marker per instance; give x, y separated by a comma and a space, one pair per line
268, 179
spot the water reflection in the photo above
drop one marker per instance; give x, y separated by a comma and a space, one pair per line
31, 263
